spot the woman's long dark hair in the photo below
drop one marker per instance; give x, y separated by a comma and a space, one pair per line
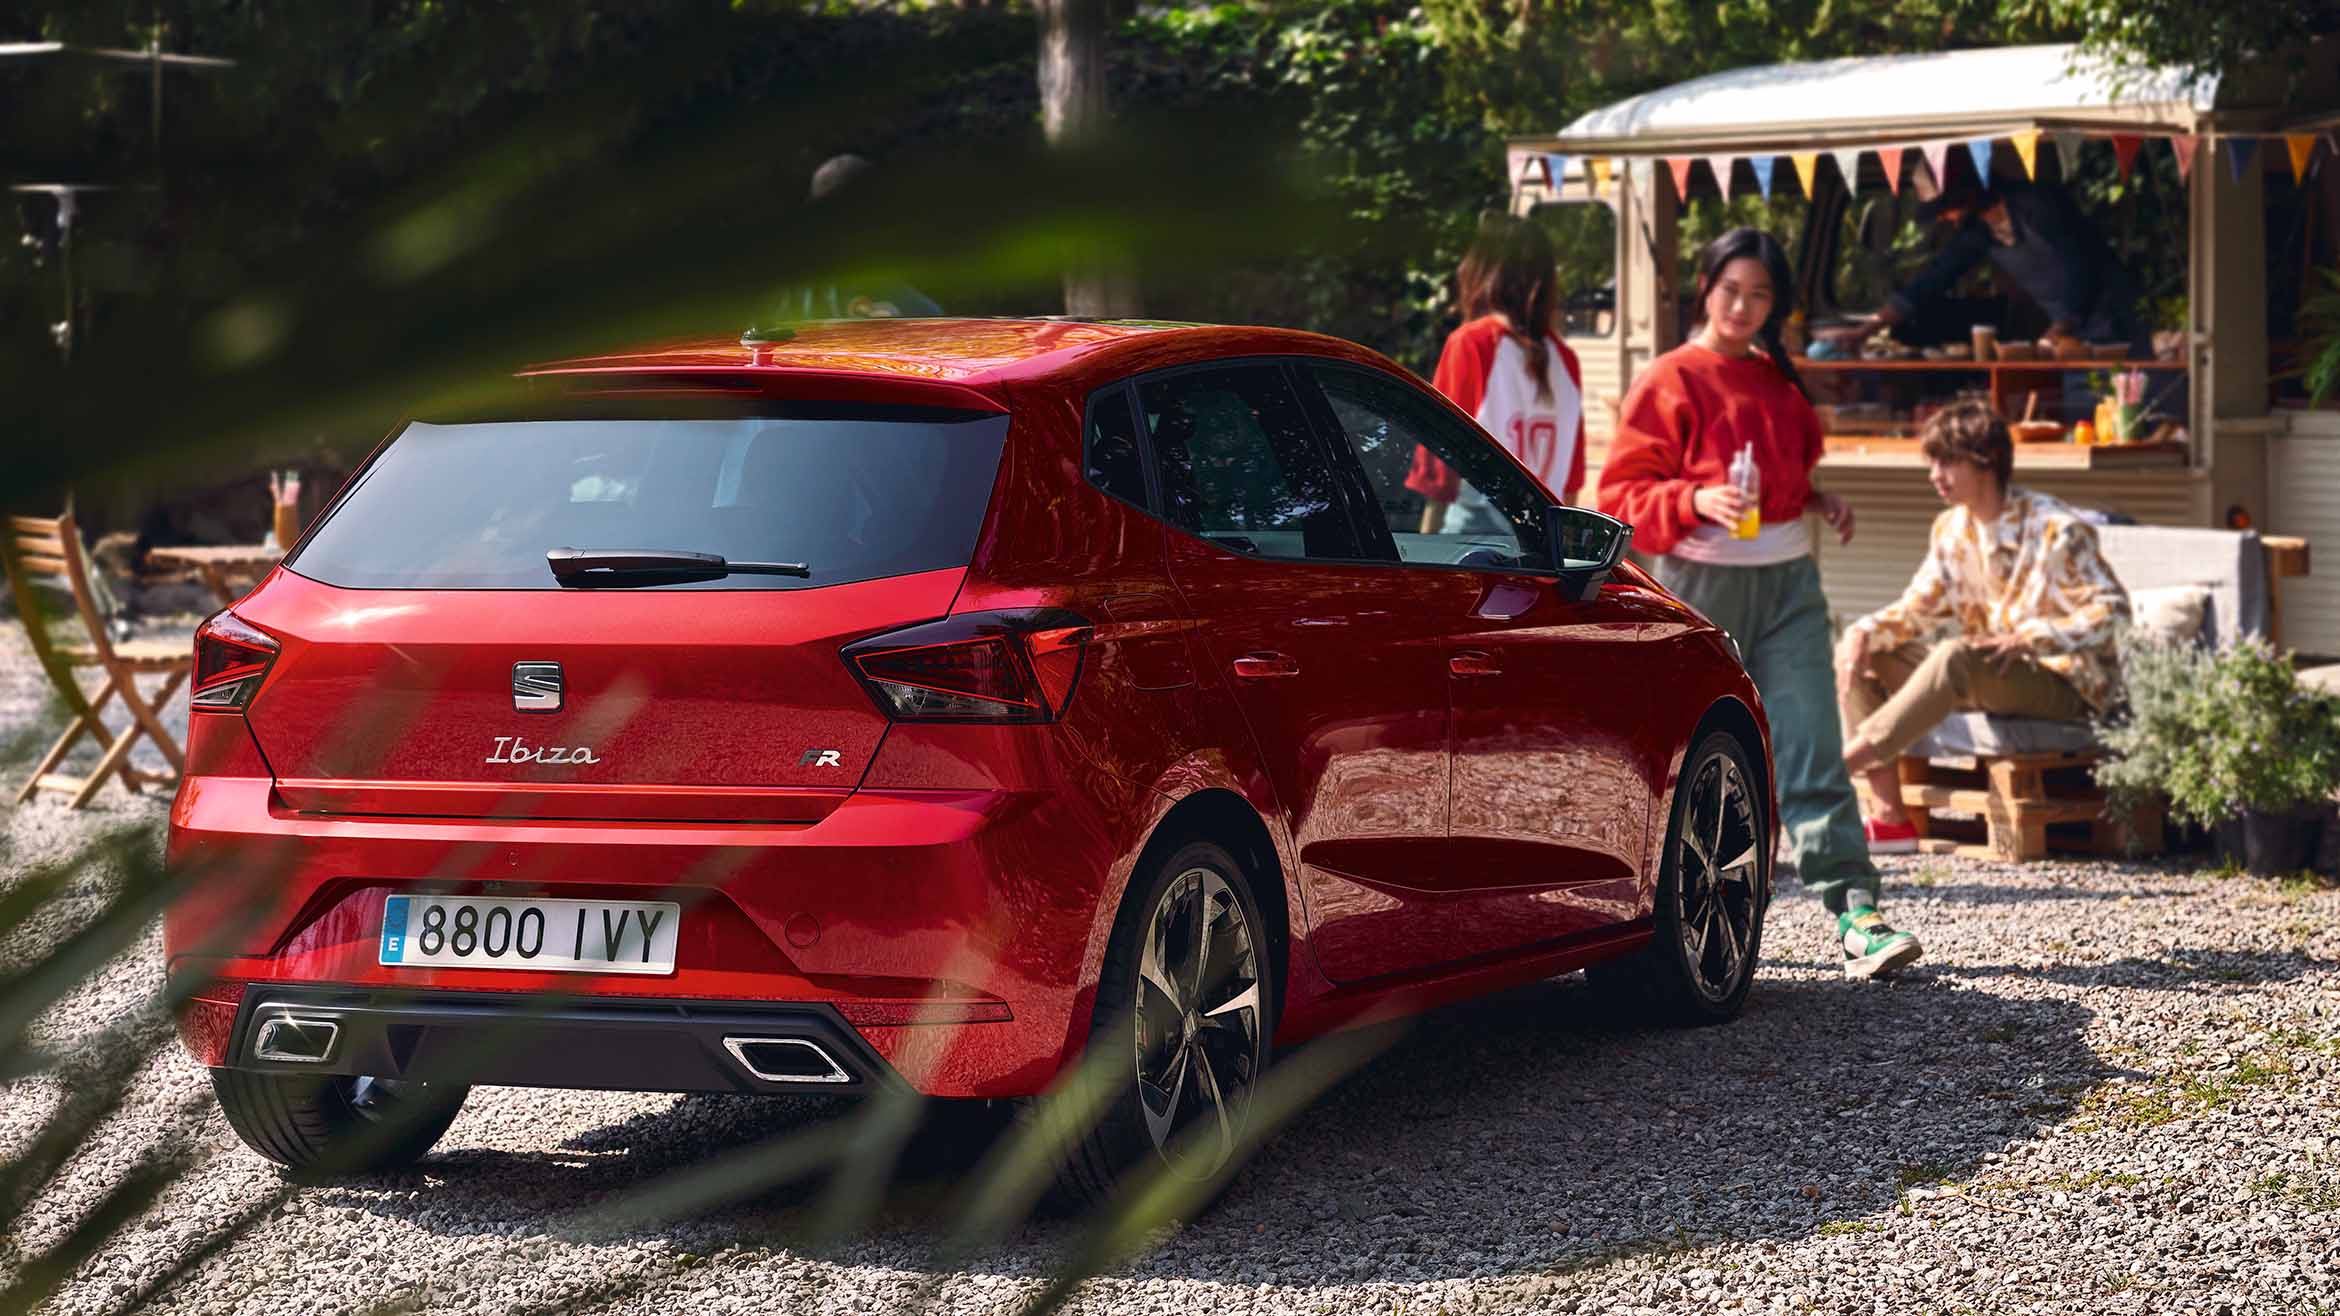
1757, 245
1511, 270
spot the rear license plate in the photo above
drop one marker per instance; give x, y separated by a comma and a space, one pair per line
563, 936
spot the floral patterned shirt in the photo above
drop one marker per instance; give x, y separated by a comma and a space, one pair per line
2033, 572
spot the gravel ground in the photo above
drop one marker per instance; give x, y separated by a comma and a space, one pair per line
2108, 1088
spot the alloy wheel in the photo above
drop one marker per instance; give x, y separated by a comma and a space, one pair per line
1198, 1022
1718, 871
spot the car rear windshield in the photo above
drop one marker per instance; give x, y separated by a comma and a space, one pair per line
476, 506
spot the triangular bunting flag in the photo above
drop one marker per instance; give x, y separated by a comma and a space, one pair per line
1979, 150
1599, 167
2239, 153
2182, 145
2303, 149
1679, 167
1555, 172
1848, 167
2125, 146
1516, 164
2027, 150
1890, 157
1721, 165
1937, 155
1763, 166
1807, 169
2067, 151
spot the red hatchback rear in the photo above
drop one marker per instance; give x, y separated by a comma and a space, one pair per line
911, 702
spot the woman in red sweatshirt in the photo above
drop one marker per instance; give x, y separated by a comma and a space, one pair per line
1507, 367
1732, 388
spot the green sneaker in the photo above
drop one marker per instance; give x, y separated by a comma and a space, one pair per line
1872, 949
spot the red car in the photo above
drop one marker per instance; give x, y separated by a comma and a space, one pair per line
913, 702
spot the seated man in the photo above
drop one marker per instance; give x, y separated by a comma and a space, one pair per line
2034, 607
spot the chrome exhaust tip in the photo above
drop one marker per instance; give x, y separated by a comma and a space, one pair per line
294, 1040
786, 1060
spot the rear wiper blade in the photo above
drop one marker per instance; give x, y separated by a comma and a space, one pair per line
587, 567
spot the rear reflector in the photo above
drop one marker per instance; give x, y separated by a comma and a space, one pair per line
231, 655
981, 667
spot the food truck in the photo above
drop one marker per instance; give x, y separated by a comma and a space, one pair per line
2251, 205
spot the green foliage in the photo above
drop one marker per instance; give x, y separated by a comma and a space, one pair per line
2200, 40
1530, 65
1584, 241
1364, 91
2320, 316
451, 123
2219, 733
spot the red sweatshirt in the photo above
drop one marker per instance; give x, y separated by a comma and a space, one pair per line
1484, 370
1682, 422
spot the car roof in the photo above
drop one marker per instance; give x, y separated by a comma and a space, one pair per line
942, 359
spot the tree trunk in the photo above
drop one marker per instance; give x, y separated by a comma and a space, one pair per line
1073, 116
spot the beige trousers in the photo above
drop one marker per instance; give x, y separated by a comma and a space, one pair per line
1914, 688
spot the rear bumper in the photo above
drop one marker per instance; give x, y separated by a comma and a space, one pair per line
637, 1045
951, 935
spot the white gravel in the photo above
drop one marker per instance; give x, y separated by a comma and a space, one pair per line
2108, 1088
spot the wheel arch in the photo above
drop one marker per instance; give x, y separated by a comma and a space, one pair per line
1728, 713
1220, 815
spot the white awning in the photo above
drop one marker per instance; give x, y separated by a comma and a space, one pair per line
1873, 99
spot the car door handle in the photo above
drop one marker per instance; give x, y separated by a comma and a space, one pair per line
1471, 662
1257, 666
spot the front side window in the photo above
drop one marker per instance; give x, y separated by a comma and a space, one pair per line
1240, 466
1401, 438
476, 506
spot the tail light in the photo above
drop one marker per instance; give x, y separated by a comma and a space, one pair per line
231, 655
983, 667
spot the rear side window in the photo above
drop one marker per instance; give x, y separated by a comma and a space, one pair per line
1241, 467
1113, 461
475, 506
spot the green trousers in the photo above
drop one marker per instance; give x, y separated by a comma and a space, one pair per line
1780, 619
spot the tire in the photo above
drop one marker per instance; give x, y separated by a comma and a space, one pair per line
1184, 1039
335, 1124
1701, 957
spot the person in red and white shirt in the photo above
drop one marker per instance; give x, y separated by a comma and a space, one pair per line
1507, 367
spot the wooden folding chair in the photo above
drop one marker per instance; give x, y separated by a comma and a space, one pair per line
45, 554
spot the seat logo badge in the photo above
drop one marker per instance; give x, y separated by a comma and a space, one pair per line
512, 749
822, 758
536, 688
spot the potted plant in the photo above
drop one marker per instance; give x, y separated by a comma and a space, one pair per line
2233, 741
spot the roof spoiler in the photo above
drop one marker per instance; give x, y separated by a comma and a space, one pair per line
792, 384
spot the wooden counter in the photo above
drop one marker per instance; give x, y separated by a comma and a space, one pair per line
1986, 367
1855, 450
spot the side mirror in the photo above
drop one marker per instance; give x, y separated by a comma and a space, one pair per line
1586, 546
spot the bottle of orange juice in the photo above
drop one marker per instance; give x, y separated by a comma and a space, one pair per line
1749, 481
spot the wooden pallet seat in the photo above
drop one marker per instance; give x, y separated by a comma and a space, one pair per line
2019, 807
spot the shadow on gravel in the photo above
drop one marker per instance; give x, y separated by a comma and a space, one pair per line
1515, 1135
2178, 969
477, 1190
1992, 893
